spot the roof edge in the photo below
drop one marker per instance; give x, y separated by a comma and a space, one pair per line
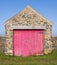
28, 6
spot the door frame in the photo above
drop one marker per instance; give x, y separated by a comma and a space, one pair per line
28, 29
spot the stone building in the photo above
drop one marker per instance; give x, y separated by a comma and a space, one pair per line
28, 33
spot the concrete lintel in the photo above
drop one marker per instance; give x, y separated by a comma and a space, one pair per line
28, 27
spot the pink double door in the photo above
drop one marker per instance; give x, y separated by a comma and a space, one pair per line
28, 42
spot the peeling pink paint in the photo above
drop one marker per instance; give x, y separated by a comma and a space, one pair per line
28, 42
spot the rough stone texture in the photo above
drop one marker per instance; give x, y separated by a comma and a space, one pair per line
2, 44
28, 17
54, 42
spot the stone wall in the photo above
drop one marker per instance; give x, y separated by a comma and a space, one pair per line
54, 42
2, 44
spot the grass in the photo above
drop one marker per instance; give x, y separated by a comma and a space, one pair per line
50, 59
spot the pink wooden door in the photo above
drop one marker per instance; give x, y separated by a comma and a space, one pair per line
28, 42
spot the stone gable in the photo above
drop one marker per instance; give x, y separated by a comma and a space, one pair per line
26, 15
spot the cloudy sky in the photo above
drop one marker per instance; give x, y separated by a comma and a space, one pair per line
47, 8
